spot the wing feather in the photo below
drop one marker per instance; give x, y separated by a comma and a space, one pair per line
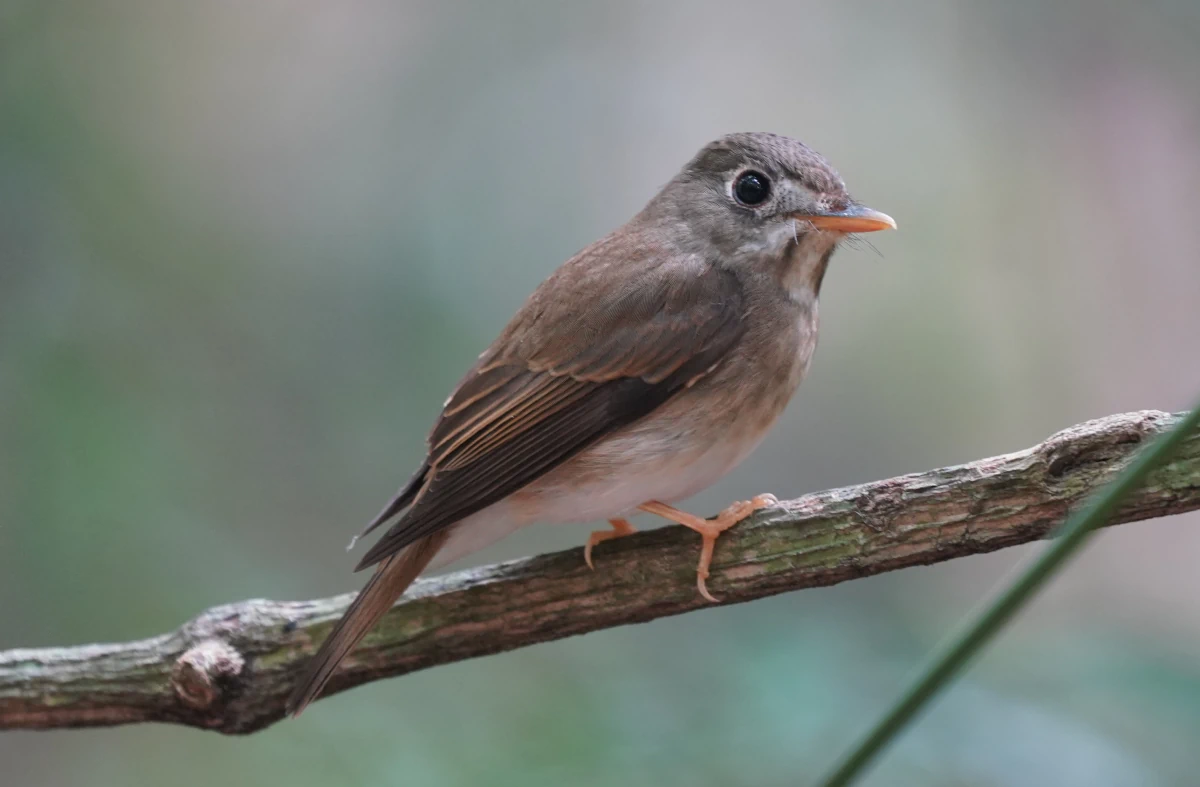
575, 364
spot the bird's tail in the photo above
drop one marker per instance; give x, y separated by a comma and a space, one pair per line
389, 581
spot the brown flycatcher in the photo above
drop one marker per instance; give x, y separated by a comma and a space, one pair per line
643, 370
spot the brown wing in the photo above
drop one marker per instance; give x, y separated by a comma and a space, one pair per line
576, 363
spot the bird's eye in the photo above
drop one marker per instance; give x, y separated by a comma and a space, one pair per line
752, 188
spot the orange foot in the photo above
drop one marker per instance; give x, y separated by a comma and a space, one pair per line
709, 529
620, 527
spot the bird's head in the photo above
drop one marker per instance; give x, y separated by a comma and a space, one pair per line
758, 198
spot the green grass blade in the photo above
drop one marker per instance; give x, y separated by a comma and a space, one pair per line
948, 661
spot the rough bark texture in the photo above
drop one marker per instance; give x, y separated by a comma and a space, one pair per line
230, 669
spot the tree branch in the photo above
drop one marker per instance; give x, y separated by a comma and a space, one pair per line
230, 669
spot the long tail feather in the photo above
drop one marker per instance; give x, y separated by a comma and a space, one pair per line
389, 581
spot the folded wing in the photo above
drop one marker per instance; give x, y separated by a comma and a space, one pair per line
565, 373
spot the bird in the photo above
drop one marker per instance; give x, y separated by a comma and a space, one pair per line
645, 368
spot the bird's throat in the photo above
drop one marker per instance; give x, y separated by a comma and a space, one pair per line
805, 261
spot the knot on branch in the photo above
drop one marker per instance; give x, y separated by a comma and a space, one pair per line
1098, 443
878, 508
201, 672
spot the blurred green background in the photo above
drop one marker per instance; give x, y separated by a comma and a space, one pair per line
247, 248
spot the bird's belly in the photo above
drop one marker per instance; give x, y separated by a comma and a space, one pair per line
672, 454
608, 480
618, 475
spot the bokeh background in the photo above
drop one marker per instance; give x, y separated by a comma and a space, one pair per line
247, 248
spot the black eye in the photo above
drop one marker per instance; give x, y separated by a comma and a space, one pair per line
752, 188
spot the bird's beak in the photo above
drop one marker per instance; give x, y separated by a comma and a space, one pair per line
856, 218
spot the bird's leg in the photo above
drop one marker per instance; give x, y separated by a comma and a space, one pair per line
620, 527
709, 529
